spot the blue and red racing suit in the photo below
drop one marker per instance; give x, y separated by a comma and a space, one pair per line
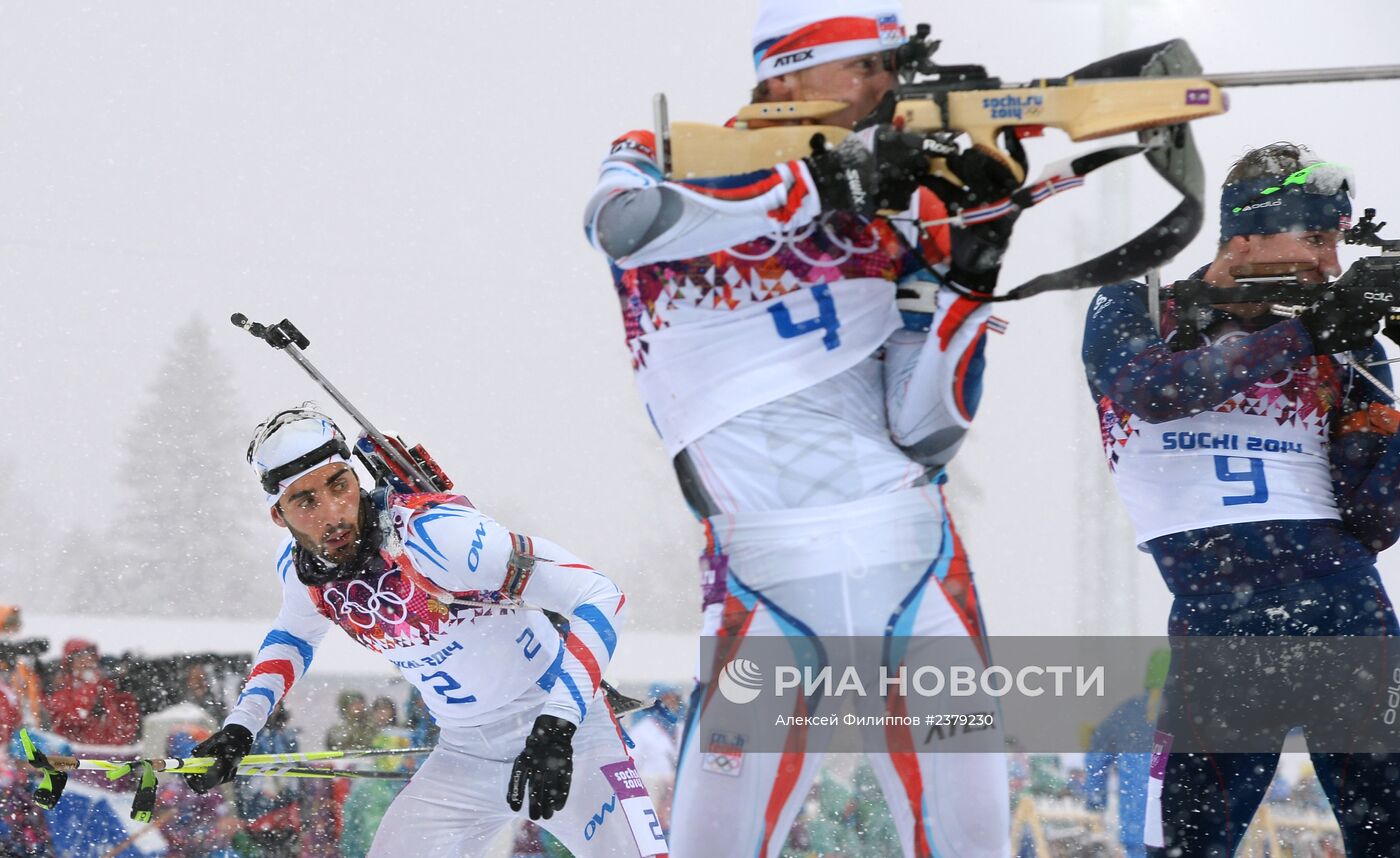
809, 423
458, 608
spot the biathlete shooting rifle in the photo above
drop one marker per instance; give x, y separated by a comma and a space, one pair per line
1377, 278
1154, 92
396, 466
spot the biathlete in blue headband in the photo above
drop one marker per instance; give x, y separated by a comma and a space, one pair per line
1257, 467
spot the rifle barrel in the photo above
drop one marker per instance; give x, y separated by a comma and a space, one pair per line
405, 462
1333, 75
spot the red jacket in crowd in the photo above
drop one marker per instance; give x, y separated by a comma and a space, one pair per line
86, 707
9, 711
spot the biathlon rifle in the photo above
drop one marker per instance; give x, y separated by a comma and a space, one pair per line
1153, 92
387, 457
1277, 285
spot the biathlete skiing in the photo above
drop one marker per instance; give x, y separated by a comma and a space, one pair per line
457, 603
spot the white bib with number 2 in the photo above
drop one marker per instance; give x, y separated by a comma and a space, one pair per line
636, 807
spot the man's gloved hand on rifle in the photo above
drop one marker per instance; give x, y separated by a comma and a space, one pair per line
228, 747
1342, 319
977, 250
879, 168
546, 766
875, 169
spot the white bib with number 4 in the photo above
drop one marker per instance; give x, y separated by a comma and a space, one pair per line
711, 365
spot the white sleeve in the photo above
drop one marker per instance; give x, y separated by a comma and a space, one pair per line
457, 548
285, 653
702, 216
592, 605
933, 379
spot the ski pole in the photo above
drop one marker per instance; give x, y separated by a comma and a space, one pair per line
318, 772
61, 763
177, 765
54, 770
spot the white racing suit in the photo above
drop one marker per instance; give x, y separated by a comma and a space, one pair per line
485, 673
809, 424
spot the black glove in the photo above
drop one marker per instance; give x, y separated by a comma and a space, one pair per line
977, 250
1377, 278
228, 746
1343, 319
546, 765
873, 170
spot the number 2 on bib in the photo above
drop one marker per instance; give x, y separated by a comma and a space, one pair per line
825, 319
1255, 476
447, 686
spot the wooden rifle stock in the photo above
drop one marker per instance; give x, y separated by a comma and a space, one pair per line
1154, 92
1082, 109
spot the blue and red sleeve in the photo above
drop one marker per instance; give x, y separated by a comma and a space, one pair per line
1365, 457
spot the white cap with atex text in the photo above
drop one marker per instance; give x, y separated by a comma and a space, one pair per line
797, 34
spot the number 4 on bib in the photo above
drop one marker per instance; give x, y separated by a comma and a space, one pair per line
825, 319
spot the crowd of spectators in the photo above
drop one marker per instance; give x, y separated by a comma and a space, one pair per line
79, 699
80, 696
84, 703
82, 700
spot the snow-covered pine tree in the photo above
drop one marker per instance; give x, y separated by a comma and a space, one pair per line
183, 542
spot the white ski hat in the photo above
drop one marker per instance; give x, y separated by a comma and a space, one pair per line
797, 34
291, 444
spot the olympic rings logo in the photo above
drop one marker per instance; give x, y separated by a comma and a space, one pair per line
797, 243
729, 765
380, 604
1279, 380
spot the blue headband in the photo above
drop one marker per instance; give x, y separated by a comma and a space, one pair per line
1246, 208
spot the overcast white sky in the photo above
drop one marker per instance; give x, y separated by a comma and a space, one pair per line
405, 181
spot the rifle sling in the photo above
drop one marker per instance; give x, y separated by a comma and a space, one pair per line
1172, 152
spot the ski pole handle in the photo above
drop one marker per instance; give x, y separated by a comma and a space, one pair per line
61, 763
